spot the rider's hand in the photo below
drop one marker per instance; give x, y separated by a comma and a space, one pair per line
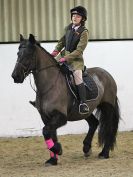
55, 53
62, 60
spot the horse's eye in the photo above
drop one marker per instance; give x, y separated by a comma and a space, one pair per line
20, 53
17, 53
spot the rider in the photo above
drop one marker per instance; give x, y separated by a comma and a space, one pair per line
71, 47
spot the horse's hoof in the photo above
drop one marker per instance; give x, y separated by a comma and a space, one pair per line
51, 162
103, 156
88, 153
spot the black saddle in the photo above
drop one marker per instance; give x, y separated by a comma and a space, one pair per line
91, 86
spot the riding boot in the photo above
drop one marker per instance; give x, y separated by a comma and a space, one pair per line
83, 107
33, 103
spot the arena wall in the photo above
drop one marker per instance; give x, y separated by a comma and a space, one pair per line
19, 118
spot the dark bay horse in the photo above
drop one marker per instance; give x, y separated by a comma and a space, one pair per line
54, 100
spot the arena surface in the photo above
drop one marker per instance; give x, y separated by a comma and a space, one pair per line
25, 157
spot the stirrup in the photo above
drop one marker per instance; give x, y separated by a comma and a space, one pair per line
83, 108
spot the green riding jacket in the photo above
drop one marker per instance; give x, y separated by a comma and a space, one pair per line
71, 46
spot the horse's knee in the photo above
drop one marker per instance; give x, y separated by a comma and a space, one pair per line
58, 119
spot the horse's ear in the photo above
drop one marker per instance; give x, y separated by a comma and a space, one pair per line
32, 39
21, 37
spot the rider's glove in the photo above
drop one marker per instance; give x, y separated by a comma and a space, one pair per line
55, 53
62, 60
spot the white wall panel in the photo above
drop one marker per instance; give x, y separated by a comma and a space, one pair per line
19, 118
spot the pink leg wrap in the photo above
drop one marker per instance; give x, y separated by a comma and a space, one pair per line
49, 143
53, 155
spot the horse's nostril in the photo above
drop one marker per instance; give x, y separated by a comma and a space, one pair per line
12, 76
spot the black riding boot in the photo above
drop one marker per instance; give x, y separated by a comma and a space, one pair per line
83, 107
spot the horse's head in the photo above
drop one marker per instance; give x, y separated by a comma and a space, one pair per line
26, 59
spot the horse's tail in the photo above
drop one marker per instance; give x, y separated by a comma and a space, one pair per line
109, 117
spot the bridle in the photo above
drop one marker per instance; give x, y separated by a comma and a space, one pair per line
27, 71
34, 70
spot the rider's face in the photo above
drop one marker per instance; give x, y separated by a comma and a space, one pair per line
76, 19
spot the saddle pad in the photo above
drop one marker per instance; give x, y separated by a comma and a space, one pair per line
91, 88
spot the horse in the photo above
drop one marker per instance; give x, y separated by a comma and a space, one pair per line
55, 102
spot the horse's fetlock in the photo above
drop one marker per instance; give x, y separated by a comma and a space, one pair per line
56, 148
86, 148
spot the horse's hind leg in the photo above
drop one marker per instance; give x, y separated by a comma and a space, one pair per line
93, 123
56, 120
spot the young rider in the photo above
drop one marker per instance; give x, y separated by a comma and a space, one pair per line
71, 46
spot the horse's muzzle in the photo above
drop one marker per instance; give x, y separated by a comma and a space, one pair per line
17, 79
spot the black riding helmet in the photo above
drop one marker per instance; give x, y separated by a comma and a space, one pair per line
80, 10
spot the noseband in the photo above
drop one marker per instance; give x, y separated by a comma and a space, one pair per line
26, 71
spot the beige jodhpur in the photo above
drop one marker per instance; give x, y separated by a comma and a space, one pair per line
78, 77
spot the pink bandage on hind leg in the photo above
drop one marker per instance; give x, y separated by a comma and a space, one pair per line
49, 143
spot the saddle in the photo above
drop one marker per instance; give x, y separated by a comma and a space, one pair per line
90, 85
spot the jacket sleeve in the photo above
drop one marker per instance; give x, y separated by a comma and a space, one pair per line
61, 44
62, 41
80, 47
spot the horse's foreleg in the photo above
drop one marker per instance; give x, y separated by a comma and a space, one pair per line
93, 123
52, 145
49, 133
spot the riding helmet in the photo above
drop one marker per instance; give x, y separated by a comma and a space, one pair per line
80, 10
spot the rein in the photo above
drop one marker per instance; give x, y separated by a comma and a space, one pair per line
37, 71
44, 68
39, 95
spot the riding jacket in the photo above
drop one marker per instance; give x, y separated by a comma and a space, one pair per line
72, 44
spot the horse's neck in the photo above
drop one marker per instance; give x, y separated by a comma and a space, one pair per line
47, 70
43, 58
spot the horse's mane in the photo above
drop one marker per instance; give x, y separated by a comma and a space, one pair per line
53, 59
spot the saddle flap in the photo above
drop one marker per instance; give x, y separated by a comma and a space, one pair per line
91, 88
90, 85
